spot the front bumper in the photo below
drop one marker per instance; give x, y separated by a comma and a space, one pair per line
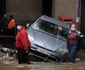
49, 56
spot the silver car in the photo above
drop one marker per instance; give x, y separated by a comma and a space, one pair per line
48, 38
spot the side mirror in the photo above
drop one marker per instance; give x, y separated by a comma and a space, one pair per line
28, 24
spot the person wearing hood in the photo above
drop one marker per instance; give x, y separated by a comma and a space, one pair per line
22, 44
73, 37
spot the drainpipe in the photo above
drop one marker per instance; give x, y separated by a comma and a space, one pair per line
78, 14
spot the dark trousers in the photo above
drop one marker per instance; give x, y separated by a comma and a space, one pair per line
22, 56
72, 52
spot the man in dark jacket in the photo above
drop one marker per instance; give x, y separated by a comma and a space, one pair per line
22, 44
3, 25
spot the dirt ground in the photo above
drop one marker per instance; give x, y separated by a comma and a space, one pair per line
6, 64
12, 65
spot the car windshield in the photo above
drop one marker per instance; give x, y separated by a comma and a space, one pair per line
51, 29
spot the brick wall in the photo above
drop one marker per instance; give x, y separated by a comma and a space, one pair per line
32, 9
64, 8
24, 9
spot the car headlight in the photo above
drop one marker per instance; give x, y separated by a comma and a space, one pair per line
62, 50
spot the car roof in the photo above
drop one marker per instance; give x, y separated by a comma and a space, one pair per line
54, 21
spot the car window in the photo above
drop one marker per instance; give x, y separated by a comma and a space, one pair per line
47, 27
51, 29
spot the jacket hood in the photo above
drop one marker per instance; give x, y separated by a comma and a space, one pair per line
22, 28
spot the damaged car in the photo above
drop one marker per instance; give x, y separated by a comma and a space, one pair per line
48, 38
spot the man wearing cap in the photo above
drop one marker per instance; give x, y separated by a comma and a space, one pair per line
22, 44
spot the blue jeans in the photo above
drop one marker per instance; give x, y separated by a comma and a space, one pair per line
72, 52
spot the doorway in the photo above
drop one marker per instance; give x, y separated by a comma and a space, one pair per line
2, 8
82, 26
47, 7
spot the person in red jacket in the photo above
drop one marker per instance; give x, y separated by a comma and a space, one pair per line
22, 44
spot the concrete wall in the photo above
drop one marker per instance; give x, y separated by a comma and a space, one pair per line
64, 8
24, 9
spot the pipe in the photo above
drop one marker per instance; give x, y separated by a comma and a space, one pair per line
78, 14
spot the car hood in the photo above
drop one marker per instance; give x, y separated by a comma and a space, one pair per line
47, 41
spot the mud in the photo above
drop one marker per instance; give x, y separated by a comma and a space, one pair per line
7, 64
13, 65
